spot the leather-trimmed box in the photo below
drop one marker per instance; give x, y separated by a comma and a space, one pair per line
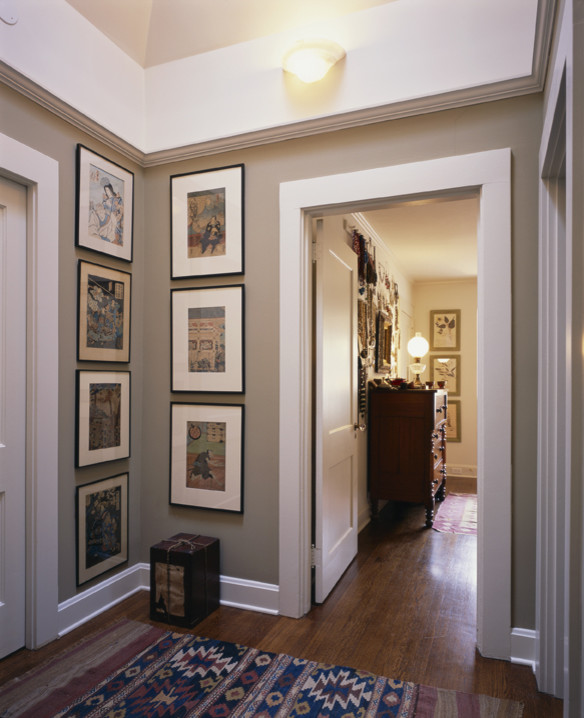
184, 579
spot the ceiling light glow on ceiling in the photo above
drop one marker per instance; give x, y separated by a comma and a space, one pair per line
310, 60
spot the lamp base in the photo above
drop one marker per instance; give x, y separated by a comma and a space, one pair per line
416, 370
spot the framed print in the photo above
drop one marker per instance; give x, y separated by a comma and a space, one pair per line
445, 329
207, 222
105, 205
453, 425
103, 329
102, 526
207, 339
446, 367
103, 416
383, 343
206, 456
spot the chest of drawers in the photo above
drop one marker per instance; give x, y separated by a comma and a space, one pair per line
407, 447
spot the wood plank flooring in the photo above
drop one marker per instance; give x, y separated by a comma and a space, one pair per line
405, 608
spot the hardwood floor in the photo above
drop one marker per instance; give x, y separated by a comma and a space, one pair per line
405, 608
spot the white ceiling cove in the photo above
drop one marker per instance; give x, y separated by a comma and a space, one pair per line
153, 32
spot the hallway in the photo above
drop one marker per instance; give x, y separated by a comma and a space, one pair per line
405, 608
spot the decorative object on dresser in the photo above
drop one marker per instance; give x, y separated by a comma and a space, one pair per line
407, 447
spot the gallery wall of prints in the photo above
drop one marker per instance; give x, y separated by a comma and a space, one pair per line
207, 342
104, 239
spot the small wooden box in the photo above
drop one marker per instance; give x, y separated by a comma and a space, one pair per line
184, 579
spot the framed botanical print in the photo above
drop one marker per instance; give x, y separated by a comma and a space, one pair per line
446, 367
445, 329
102, 526
206, 456
207, 339
105, 205
103, 416
453, 426
207, 224
104, 303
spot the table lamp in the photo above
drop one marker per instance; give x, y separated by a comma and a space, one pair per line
417, 349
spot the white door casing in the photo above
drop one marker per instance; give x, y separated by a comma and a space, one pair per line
40, 174
336, 465
12, 414
490, 173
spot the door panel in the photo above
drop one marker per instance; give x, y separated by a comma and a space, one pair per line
336, 408
12, 414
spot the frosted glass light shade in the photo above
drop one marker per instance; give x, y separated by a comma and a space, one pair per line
310, 60
418, 346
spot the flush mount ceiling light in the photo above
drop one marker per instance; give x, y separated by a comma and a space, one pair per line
310, 60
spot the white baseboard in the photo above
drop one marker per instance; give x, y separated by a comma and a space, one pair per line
523, 647
466, 471
236, 592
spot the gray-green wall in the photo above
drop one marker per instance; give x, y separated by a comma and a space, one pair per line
250, 542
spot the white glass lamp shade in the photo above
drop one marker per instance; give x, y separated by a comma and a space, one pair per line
310, 60
418, 346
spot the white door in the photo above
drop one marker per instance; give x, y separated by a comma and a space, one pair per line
12, 414
336, 407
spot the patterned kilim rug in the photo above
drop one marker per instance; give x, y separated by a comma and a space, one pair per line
173, 674
457, 514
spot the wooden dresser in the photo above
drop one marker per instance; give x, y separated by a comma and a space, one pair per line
407, 447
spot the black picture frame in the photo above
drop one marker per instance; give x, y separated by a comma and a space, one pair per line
206, 456
103, 408
104, 221
101, 512
207, 222
207, 342
104, 313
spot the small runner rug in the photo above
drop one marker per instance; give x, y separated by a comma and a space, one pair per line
457, 514
184, 675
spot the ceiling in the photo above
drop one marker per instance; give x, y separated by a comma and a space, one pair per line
430, 240
153, 32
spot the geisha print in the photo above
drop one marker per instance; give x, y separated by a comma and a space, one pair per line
106, 206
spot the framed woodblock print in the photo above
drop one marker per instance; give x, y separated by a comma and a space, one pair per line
103, 416
104, 297
207, 222
102, 526
206, 456
446, 367
453, 426
207, 339
445, 329
105, 205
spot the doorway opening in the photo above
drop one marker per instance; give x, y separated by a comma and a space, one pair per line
489, 174
416, 256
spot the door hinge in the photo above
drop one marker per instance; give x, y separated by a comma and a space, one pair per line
315, 556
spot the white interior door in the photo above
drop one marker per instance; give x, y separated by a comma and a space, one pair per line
336, 407
12, 414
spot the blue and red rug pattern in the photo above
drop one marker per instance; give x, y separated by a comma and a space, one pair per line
132, 669
185, 675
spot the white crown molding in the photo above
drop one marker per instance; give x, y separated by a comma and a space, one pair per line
31, 90
359, 118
